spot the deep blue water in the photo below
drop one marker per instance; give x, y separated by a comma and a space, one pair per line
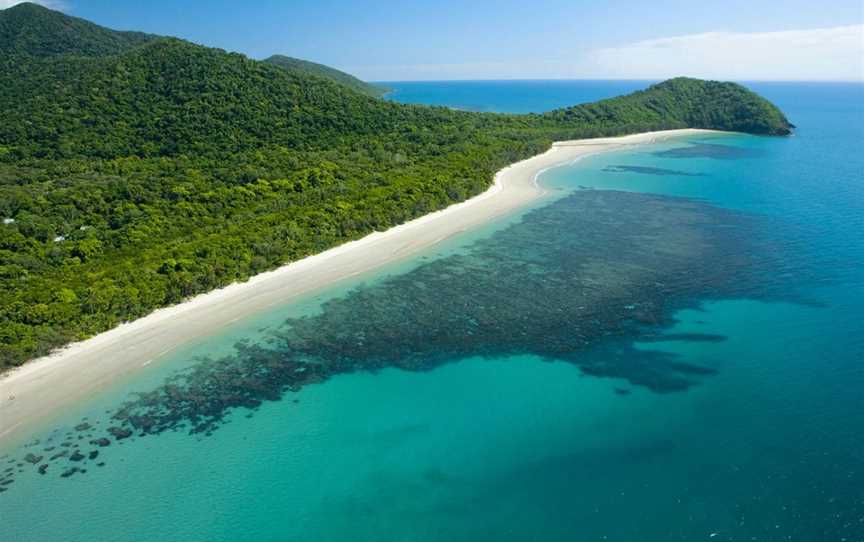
508, 96
669, 347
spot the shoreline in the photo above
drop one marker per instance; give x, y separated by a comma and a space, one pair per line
41, 387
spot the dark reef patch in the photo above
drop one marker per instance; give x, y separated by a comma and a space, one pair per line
645, 170
584, 271
592, 265
32, 458
708, 150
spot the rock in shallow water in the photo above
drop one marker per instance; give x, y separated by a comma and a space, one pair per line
120, 432
32, 458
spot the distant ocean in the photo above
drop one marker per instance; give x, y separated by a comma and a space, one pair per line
508, 96
670, 347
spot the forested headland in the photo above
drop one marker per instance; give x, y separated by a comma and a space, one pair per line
138, 170
311, 68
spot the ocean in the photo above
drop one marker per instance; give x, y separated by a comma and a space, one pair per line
667, 347
508, 96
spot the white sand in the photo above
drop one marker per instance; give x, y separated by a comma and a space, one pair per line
43, 386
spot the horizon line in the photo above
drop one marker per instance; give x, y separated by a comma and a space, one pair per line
623, 79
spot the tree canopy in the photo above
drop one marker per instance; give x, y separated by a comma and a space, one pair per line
32, 30
311, 68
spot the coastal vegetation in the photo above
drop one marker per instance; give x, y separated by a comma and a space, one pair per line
137, 170
297, 65
33, 31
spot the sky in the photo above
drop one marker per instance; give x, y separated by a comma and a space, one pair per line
379, 40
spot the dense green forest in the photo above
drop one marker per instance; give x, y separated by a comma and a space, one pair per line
311, 68
136, 171
32, 30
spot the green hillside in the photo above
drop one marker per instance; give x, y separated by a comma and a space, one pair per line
693, 102
302, 67
30, 29
135, 175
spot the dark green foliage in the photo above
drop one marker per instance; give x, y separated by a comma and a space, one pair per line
156, 169
304, 67
695, 103
34, 30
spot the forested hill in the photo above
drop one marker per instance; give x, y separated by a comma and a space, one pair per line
133, 178
30, 29
698, 104
311, 68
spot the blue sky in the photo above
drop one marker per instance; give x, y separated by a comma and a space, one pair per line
461, 39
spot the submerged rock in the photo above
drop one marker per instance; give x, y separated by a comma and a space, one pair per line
120, 433
32, 458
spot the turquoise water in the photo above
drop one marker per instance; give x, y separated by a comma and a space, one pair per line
617, 363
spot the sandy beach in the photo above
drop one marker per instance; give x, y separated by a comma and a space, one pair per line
45, 385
